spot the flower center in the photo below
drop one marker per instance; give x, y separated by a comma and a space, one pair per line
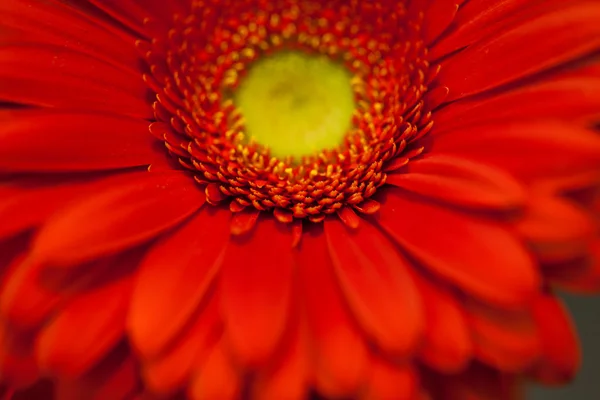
296, 104
296, 107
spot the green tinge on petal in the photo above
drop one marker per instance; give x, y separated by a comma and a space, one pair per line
296, 104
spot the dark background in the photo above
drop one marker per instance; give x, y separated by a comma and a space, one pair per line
586, 312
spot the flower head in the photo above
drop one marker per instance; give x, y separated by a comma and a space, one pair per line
209, 199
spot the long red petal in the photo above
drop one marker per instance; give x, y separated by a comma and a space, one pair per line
502, 58
461, 182
24, 301
58, 76
341, 358
571, 97
255, 288
438, 17
457, 246
530, 150
216, 377
55, 23
389, 381
181, 267
507, 340
447, 345
136, 208
287, 377
561, 355
579, 276
133, 13
18, 366
377, 285
556, 229
85, 330
477, 19
169, 372
38, 140
116, 377
479, 382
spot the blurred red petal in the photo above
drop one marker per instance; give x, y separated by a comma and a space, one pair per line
461, 182
341, 358
455, 246
506, 340
579, 276
561, 356
447, 344
530, 150
170, 371
216, 377
556, 229
84, 330
136, 208
288, 377
182, 267
377, 285
387, 381
255, 290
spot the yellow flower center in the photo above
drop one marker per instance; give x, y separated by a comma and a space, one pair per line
296, 104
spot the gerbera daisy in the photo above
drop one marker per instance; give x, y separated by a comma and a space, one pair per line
278, 199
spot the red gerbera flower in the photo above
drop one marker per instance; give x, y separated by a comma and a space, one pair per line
358, 199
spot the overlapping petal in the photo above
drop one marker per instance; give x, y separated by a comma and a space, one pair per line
128, 285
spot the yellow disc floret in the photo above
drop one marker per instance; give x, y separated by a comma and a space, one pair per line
296, 104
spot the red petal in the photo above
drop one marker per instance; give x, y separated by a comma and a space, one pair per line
435, 97
55, 23
39, 140
438, 17
132, 13
503, 58
572, 97
216, 377
18, 366
32, 292
455, 246
21, 208
287, 379
24, 301
135, 208
461, 182
556, 229
477, 19
341, 358
171, 371
580, 276
391, 382
447, 345
255, 290
477, 383
116, 377
506, 340
181, 267
377, 285
85, 330
61, 77
43, 389
561, 356
529, 150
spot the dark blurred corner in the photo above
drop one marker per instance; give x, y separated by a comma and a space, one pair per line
586, 312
